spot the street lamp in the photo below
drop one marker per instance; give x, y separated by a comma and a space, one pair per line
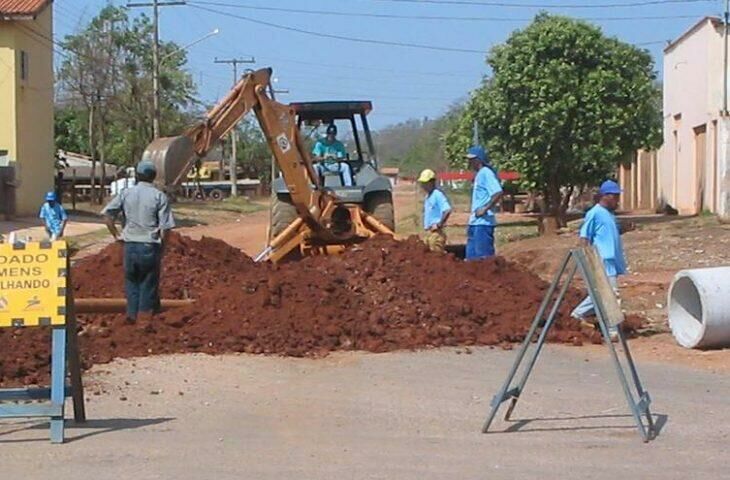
185, 47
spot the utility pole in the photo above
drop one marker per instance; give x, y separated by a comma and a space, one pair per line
234, 136
156, 4
724, 63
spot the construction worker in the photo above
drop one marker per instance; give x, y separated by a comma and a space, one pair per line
146, 218
436, 210
486, 193
330, 154
54, 216
601, 230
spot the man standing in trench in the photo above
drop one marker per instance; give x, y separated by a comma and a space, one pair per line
601, 230
436, 210
486, 193
146, 218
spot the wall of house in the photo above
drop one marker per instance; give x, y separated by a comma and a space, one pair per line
7, 90
692, 102
34, 102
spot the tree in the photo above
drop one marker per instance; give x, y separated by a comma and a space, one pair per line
70, 129
564, 105
416, 144
252, 151
106, 79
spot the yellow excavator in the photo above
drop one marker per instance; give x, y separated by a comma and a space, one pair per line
325, 222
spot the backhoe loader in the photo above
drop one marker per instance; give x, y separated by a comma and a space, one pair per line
325, 222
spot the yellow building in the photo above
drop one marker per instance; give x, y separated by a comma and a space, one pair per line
26, 99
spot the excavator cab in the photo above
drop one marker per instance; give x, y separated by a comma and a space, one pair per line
369, 190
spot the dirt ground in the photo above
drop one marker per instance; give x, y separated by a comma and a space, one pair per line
406, 414
377, 416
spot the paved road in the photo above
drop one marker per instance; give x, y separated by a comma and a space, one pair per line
364, 416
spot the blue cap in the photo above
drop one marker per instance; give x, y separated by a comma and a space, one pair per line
146, 168
478, 152
51, 197
609, 187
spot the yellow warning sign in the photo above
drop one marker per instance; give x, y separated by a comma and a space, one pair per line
33, 284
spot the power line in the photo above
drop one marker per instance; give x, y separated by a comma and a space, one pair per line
342, 37
654, 42
643, 3
423, 17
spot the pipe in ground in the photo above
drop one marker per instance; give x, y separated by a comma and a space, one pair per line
699, 307
119, 305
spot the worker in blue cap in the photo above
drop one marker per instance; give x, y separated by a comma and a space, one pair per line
54, 216
146, 217
601, 230
485, 194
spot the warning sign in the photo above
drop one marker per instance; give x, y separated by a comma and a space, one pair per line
33, 284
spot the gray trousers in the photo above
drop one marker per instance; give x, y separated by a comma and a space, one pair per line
586, 308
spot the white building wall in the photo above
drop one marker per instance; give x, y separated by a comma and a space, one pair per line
692, 103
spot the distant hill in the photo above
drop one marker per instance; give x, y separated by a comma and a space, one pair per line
414, 144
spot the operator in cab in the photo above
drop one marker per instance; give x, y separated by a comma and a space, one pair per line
330, 155
146, 217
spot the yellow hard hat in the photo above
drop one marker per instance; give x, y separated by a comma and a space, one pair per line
426, 176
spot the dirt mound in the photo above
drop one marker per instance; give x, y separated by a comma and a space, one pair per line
380, 296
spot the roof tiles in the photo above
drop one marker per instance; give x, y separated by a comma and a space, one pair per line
21, 8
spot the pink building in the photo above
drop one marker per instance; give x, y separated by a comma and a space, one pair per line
693, 166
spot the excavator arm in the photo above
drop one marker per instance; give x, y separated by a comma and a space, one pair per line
319, 227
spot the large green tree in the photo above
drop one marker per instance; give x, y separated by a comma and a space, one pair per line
564, 104
105, 83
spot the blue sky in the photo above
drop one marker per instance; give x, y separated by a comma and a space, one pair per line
403, 82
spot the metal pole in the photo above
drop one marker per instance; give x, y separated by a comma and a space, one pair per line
234, 140
724, 61
271, 183
234, 135
156, 4
155, 70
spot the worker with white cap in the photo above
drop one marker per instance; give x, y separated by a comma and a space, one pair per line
436, 211
146, 216
486, 193
601, 230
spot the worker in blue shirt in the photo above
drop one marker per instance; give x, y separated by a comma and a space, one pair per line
331, 154
436, 211
486, 193
54, 216
601, 230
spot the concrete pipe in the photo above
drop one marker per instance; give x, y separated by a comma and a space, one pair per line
699, 307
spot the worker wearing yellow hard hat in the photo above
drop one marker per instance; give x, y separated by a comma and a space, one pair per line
436, 211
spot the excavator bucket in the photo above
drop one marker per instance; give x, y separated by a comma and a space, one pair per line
173, 157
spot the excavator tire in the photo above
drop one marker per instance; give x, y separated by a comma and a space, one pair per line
283, 213
380, 206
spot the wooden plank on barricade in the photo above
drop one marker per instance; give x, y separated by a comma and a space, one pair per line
603, 287
74, 356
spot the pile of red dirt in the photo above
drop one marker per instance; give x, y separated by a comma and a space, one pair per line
379, 296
